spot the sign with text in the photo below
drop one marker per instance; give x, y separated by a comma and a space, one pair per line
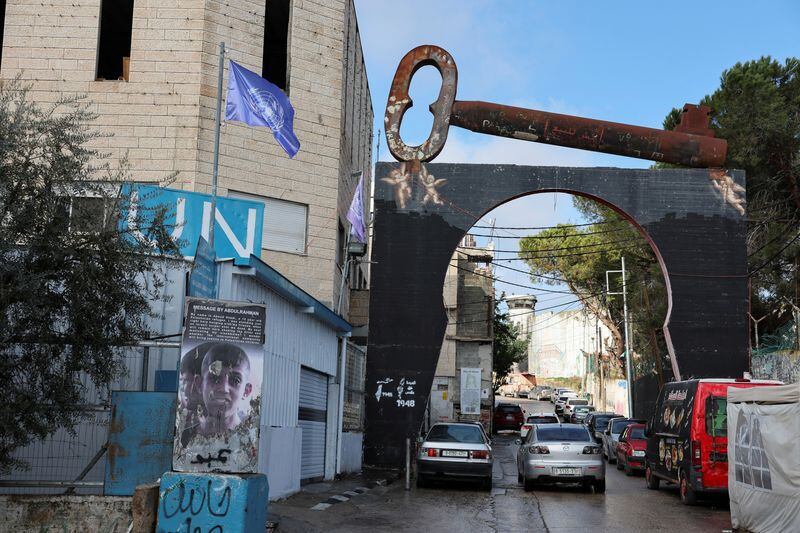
219, 387
470, 391
238, 223
203, 276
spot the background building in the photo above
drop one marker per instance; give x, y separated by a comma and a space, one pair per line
561, 338
469, 338
149, 71
521, 309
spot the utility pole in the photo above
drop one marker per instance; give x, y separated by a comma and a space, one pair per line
217, 127
628, 354
755, 323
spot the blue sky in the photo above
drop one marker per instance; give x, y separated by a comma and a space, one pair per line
622, 61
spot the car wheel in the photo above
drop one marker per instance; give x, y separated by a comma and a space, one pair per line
619, 463
650, 480
487, 483
600, 486
528, 484
628, 470
520, 478
422, 482
688, 495
611, 459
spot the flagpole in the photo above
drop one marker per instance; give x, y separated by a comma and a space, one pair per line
217, 127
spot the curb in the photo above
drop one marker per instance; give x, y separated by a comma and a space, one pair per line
350, 494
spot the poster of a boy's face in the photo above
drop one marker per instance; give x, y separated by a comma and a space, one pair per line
224, 384
189, 396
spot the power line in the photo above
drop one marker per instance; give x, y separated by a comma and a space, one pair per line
554, 227
771, 259
565, 236
555, 249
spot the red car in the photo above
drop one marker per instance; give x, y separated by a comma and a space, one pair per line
631, 449
507, 416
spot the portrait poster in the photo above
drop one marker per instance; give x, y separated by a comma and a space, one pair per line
219, 387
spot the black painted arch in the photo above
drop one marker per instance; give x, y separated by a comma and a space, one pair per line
694, 227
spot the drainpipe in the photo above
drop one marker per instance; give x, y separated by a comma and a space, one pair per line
342, 368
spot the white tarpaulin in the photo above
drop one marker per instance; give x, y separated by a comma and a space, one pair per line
764, 458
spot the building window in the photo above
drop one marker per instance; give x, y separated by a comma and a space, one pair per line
285, 223
116, 25
276, 42
341, 242
2, 25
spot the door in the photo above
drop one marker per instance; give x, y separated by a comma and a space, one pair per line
312, 419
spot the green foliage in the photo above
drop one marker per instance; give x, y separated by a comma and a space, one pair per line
582, 255
509, 347
757, 110
72, 287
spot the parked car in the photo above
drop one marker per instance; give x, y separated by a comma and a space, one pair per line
597, 424
631, 449
610, 436
580, 412
537, 418
570, 405
687, 436
507, 416
558, 392
455, 451
553, 453
544, 394
562, 401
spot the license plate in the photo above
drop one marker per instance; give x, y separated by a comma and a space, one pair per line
567, 471
509, 417
638, 453
455, 453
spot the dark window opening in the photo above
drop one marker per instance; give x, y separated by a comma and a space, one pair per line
2, 25
116, 25
276, 42
341, 242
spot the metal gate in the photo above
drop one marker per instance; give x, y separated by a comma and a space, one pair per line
312, 418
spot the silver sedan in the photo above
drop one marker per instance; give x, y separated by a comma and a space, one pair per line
560, 453
455, 451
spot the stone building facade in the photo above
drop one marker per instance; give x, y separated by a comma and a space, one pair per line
468, 295
158, 99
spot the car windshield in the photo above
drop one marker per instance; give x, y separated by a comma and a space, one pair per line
455, 433
510, 409
600, 422
583, 408
636, 433
579, 402
617, 426
542, 420
563, 434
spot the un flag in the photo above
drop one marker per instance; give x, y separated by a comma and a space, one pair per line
257, 102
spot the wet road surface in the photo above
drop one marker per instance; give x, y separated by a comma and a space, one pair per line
626, 506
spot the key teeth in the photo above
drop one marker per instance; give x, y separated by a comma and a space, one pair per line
695, 120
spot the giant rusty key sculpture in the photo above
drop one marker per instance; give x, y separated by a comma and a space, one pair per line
692, 143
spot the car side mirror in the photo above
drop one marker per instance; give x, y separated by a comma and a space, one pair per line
518, 442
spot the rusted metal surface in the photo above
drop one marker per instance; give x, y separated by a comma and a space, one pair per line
400, 102
692, 143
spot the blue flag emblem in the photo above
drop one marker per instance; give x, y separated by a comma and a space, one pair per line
256, 102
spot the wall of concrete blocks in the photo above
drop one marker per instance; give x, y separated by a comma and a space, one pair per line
163, 117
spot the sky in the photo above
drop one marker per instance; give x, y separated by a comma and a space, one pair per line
623, 61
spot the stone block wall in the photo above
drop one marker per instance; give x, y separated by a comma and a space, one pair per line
162, 118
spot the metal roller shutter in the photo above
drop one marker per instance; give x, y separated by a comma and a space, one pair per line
312, 418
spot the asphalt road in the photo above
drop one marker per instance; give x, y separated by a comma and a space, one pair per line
626, 506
